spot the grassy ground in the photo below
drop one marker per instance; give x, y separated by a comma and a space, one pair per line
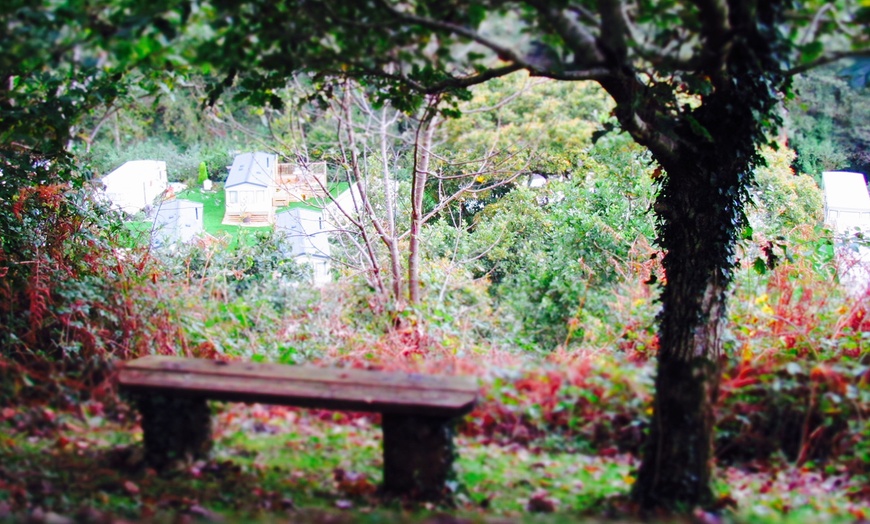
213, 207
277, 464
213, 204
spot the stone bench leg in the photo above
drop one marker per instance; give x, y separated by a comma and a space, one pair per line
418, 456
176, 430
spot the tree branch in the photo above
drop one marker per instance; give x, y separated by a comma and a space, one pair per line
457, 82
577, 37
506, 54
828, 59
614, 37
715, 27
814, 25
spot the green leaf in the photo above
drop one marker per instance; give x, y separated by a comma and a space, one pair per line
698, 128
811, 51
760, 266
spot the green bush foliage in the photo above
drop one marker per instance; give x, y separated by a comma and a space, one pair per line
72, 301
828, 124
554, 253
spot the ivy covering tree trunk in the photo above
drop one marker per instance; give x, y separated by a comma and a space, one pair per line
708, 149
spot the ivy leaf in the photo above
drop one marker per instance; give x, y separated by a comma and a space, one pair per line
698, 129
811, 51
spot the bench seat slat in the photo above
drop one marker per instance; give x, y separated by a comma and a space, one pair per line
356, 390
301, 373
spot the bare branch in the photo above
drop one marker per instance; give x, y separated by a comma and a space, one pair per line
814, 25
372, 257
506, 100
582, 12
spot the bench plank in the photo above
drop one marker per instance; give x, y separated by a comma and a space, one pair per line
268, 370
342, 389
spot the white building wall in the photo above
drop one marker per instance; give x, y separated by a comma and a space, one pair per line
248, 198
847, 212
847, 201
307, 233
136, 184
319, 267
306, 230
250, 183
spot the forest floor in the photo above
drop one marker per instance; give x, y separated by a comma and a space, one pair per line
273, 464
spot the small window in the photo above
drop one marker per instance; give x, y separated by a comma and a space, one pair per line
233, 197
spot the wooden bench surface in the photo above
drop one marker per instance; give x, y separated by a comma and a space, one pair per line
303, 386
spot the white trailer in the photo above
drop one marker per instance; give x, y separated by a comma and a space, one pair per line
136, 184
847, 202
847, 212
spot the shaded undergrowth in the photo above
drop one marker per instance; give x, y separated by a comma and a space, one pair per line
287, 465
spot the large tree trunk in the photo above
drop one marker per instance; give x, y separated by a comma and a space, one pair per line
676, 467
698, 229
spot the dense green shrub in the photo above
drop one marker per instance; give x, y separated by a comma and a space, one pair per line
782, 199
71, 301
232, 302
828, 124
554, 253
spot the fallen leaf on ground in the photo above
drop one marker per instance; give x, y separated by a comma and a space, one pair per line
540, 502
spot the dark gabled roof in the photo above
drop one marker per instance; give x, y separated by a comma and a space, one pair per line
252, 168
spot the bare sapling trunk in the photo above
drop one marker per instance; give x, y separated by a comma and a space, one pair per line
422, 156
390, 205
356, 178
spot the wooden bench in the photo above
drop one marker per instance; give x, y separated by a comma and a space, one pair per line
418, 411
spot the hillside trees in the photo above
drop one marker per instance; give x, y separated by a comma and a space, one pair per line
552, 254
166, 119
697, 83
403, 174
829, 123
